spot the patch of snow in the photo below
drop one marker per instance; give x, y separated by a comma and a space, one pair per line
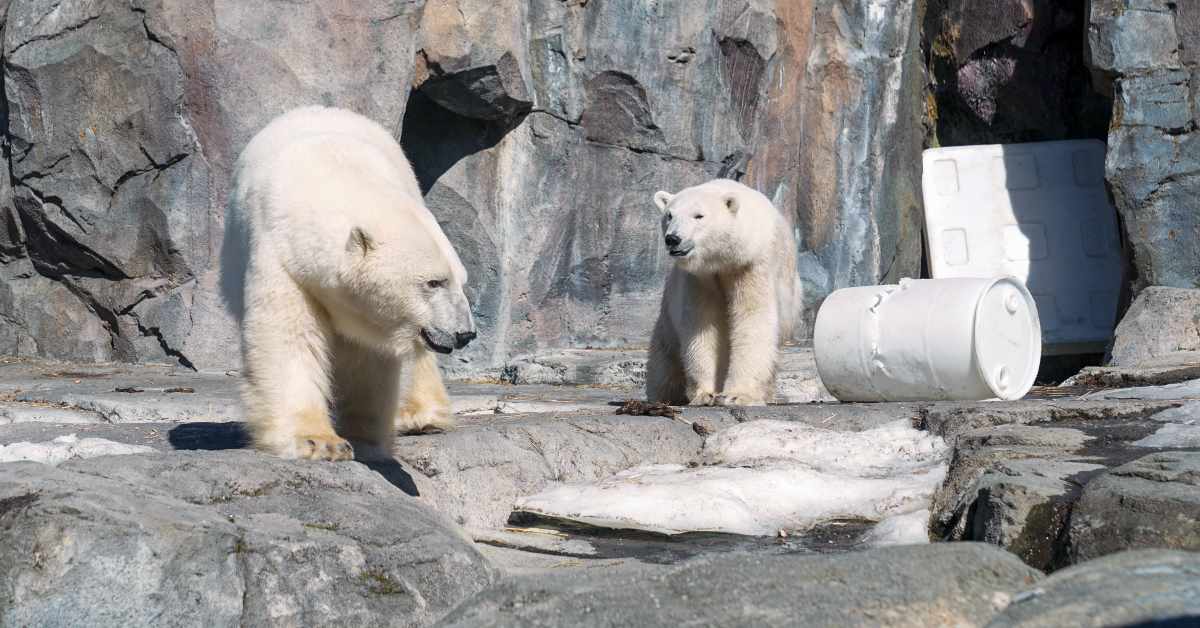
761, 477
880, 452
907, 529
65, 448
1171, 392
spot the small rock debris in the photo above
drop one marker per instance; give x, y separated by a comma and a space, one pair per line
633, 407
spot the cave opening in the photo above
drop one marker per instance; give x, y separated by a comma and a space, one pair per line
435, 138
1016, 72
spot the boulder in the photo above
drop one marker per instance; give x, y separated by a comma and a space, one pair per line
1013, 486
1141, 588
1152, 502
884, 587
223, 539
1162, 325
1019, 480
1146, 54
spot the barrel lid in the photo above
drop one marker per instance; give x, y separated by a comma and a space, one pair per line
1008, 338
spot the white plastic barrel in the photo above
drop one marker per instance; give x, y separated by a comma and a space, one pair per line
929, 339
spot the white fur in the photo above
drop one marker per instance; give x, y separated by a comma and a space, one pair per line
341, 250
729, 304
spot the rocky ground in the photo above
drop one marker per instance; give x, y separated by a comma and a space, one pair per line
127, 497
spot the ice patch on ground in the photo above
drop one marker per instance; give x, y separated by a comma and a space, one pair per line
907, 529
762, 477
65, 448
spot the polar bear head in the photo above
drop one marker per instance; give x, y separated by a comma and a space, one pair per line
715, 226
402, 281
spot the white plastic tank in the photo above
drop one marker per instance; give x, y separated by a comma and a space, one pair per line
929, 339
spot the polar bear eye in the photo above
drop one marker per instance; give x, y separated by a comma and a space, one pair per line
434, 284
699, 216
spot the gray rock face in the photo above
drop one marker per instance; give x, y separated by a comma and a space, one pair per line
1146, 588
1020, 473
1148, 52
540, 131
888, 587
1013, 486
1163, 324
223, 539
124, 120
1152, 502
476, 473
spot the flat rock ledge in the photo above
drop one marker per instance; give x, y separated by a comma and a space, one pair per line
223, 539
190, 528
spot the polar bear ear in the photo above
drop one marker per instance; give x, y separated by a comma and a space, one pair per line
662, 199
731, 203
359, 241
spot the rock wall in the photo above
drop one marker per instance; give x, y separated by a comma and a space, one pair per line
539, 130
1148, 52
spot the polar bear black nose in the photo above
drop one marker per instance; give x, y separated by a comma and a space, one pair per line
673, 240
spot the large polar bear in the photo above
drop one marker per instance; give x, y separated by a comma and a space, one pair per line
731, 300
350, 287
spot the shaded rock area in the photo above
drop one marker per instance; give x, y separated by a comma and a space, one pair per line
1010, 71
1148, 55
539, 131
1020, 473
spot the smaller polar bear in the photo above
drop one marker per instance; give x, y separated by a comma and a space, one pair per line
349, 289
731, 300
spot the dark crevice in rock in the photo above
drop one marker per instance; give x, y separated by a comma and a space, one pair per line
69, 29
122, 348
157, 334
564, 120
1000, 74
56, 253
11, 505
150, 34
154, 167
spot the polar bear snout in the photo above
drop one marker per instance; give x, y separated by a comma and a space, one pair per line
677, 246
444, 342
452, 326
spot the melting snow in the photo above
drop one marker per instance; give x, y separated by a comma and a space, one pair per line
64, 448
765, 476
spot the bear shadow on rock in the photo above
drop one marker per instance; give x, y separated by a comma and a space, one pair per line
224, 436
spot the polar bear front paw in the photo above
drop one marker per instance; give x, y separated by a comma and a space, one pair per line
322, 447
740, 399
701, 398
424, 422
